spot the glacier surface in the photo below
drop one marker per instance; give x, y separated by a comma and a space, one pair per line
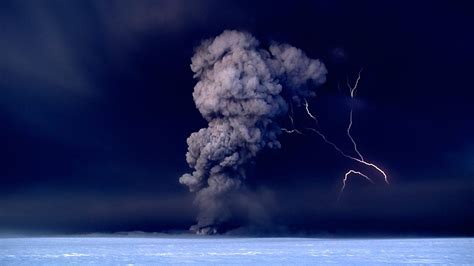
227, 250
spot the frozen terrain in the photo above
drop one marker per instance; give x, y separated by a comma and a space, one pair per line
270, 251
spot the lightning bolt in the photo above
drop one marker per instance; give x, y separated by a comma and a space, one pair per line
293, 130
353, 91
360, 158
325, 139
344, 180
306, 106
351, 171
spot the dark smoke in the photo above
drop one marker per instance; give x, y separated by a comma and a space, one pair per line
241, 92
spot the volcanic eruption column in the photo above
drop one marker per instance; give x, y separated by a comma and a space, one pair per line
242, 91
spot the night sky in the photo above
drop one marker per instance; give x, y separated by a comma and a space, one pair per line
96, 105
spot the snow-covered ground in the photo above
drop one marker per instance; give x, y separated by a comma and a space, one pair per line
270, 251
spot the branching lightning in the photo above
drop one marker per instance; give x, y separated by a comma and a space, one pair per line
360, 157
353, 91
344, 180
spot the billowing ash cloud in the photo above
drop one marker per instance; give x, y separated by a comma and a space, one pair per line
241, 93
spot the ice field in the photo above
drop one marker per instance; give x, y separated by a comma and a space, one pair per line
226, 250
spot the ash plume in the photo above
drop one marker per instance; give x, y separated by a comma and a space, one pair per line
242, 91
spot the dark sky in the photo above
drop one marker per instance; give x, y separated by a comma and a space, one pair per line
96, 105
